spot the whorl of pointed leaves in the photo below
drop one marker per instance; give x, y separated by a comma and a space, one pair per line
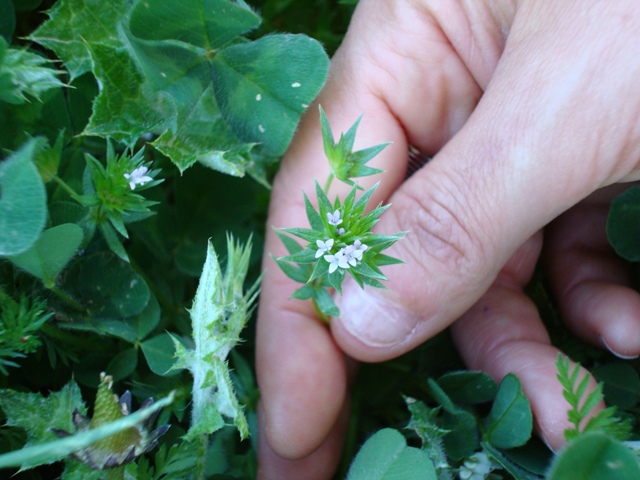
340, 240
582, 404
345, 163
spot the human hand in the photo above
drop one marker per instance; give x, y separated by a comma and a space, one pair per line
531, 107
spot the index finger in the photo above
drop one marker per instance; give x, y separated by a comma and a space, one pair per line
407, 95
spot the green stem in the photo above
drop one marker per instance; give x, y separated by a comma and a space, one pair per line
67, 299
327, 184
65, 186
324, 318
71, 339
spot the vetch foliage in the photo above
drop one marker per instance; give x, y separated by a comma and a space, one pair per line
582, 404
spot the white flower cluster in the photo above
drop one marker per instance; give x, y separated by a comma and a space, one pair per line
138, 177
477, 467
335, 219
346, 257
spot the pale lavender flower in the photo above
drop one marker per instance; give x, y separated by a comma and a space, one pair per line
138, 177
340, 231
334, 218
337, 260
323, 247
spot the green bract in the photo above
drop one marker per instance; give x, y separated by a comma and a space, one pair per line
340, 239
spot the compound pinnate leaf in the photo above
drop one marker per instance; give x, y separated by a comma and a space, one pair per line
75, 24
23, 201
262, 87
386, 456
51, 252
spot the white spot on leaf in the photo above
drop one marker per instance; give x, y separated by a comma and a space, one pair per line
295, 84
261, 128
304, 105
258, 97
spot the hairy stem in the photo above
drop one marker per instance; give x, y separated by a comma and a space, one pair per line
327, 184
65, 186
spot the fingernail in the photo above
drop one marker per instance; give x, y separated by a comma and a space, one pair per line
617, 354
372, 318
547, 443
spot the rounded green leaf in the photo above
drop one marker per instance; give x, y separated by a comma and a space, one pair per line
595, 456
123, 364
469, 388
148, 319
23, 201
262, 87
386, 456
107, 286
51, 252
208, 24
623, 224
160, 352
510, 422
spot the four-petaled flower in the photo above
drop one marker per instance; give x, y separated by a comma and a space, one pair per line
138, 177
347, 256
337, 260
334, 218
323, 247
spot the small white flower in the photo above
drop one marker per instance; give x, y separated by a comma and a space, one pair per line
356, 250
359, 245
334, 218
349, 252
340, 231
138, 177
337, 260
477, 467
323, 247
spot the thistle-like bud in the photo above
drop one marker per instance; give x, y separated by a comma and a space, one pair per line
123, 447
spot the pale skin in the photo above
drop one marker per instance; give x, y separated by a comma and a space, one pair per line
531, 110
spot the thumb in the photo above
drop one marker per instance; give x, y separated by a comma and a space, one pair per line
530, 150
